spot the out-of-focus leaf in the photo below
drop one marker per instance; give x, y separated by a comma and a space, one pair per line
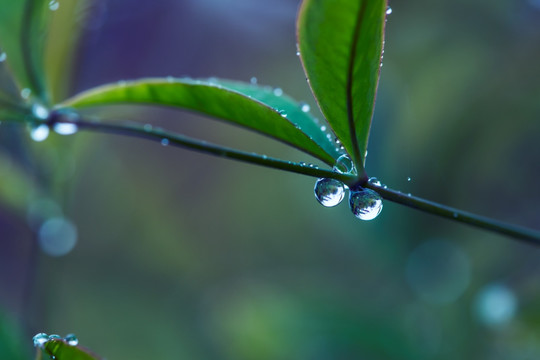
340, 43
215, 100
22, 36
61, 350
63, 34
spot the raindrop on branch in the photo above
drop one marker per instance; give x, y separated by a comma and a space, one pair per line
365, 204
329, 192
344, 165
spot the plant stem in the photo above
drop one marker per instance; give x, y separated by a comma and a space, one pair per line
147, 132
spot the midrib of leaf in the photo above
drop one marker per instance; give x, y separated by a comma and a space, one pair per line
350, 79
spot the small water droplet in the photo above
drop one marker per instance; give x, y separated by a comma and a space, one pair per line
409, 179
278, 91
164, 142
55, 337
365, 204
71, 339
409, 194
301, 163
56, 237
54, 5
298, 53
25, 93
147, 127
40, 112
283, 113
3, 56
344, 165
253, 80
40, 339
39, 133
388, 10
374, 181
329, 192
323, 128
65, 128
304, 107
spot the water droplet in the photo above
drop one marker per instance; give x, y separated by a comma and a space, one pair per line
40, 339
304, 107
283, 113
301, 163
170, 79
39, 133
25, 93
3, 56
122, 83
344, 165
147, 127
374, 181
55, 337
57, 236
298, 53
365, 204
409, 179
278, 91
495, 305
164, 142
329, 192
71, 339
40, 112
323, 128
388, 10
65, 128
253, 80
54, 5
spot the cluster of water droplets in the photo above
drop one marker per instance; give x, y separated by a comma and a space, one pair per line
41, 339
63, 121
365, 204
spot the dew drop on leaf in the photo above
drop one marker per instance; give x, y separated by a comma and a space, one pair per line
344, 165
40, 339
304, 107
329, 192
323, 128
39, 133
253, 80
40, 112
365, 204
388, 10
278, 91
71, 339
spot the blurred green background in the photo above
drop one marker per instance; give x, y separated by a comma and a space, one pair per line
180, 255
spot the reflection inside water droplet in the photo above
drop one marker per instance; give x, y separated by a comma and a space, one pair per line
344, 165
329, 192
365, 204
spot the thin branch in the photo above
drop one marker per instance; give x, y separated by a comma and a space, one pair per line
527, 235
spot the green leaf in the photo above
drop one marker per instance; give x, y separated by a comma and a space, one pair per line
22, 34
217, 101
61, 350
340, 43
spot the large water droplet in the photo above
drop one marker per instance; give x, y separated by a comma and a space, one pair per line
65, 128
3, 56
329, 192
71, 339
39, 133
365, 204
344, 165
40, 339
57, 236
40, 112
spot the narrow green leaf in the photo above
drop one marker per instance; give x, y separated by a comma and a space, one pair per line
340, 43
61, 350
210, 99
